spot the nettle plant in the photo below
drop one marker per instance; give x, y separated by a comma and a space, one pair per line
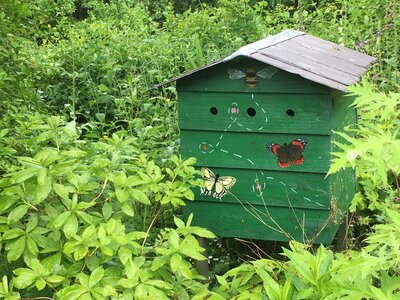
76, 219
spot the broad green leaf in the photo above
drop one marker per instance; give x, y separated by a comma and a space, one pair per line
100, 117
125, 254
132, 271
40, 284
13, 233
88, 219
60, 220
62, 191
138, 195
159, 261
190, 247
6, 201
302, 265
71, 226
75, 153
17, 213
72, 292
42, 192
127, 208
270, 286
107, 210
179, 223
31, 246
25, 277
189, 220
24, 175
122, 195
120, 179
202, 232
160, 284
15, 248
144, 291
42, 176
103, 88
188, 194
80, 252
55, 279
222, 281
175, 262
96, 276
173, 239
210, 296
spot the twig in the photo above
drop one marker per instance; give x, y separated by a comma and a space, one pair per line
103, 187
148, 229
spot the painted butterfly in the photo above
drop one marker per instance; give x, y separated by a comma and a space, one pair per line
216, 185
289, 153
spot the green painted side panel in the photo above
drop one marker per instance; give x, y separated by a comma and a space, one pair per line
226, 124
342, 184
280, 113
273, 188
249, 151
258, 222
216, 78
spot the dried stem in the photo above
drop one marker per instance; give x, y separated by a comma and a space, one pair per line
151, 225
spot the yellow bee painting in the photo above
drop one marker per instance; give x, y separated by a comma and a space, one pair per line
215, 185
250, 76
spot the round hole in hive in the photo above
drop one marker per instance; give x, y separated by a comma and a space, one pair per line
214, 110
251, 111
290, 112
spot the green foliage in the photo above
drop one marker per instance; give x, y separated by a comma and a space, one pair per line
368, 274
72, 211
90, 181
375, 149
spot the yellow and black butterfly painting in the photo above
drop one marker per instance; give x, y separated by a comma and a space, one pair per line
215, 185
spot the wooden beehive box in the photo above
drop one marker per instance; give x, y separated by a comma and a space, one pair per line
260, 124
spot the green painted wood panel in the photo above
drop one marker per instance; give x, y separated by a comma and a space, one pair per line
257, 222
273, 188
216, 78
249, 151
283, 113
343, 183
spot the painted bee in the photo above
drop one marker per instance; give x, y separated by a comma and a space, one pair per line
250, 76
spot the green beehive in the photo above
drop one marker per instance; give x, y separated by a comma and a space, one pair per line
260, 124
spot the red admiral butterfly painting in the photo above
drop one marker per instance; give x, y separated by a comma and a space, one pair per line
289, 153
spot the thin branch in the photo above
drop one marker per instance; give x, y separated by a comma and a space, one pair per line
151, 225
103, 187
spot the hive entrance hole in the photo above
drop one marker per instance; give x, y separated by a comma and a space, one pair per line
251, 111
290, 112
214, 110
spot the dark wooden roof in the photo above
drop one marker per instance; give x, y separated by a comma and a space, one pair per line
299, 53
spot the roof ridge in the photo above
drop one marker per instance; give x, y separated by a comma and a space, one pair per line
264, 43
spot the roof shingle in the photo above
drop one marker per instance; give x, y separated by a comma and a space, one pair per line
299, 53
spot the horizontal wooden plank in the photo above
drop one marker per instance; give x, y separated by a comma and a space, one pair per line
256, 222
216, 78
283, 113
357, 58
315, 54
249, 151
273, 188
292, 68
280, 53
